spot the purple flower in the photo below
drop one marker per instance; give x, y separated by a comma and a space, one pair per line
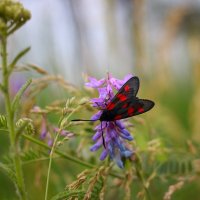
45, 134
115, 133
63, 133
94, 83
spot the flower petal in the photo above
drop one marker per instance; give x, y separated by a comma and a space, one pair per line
43, 135
119, 162
109, 91
119, 124
116, 83
103, 154
111, 150
127, 153
98, 102
96, 116
101, 126
96, 146
112, 133
125, 132
127, 77
44, 130
102, 92
94, 83
50, 142
120, 145
130, 137
97, 135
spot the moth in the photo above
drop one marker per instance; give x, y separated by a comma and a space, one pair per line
125, 104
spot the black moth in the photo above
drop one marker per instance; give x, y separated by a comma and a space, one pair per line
125, 103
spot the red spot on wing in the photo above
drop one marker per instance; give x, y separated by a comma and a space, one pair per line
140, 110
126, 88
121, 97
110, 106
125, 105
117, 117
130, 111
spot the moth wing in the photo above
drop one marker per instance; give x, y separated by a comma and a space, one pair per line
130, 107
129, 89
131, 86
143, 106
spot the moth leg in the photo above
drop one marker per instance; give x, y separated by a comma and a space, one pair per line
104, 144
106, 124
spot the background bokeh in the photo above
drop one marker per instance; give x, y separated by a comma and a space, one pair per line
159, 41
100, 36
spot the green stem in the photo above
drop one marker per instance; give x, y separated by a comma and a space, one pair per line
15, 148
141, 178
50, 163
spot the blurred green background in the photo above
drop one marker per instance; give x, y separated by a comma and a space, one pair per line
159, 41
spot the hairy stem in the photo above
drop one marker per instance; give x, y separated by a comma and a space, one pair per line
14, 145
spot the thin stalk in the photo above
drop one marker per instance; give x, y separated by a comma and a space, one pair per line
141, 178
50, 163
15, 148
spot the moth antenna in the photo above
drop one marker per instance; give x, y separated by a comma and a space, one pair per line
79, 120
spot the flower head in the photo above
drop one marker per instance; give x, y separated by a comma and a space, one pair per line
112, 134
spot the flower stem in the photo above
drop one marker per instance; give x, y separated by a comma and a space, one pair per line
14, 145
50, 163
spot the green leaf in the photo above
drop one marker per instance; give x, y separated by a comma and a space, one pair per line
19, 55
28, 156
31, 156
19, 94
3, 122
8, 171
176, 167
